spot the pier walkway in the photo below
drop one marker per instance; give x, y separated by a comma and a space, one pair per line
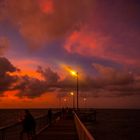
63, 129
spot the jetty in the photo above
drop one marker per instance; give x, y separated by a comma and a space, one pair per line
63, 127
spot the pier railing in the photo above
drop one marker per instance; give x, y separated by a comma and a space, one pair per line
82, 131
12, 132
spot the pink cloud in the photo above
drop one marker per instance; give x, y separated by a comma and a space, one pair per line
86, 43
97, 44
47, 6
40, 21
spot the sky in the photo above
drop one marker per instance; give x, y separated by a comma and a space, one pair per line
41, 41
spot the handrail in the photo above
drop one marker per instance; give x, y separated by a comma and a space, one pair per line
82, 131
13, 131
17, 123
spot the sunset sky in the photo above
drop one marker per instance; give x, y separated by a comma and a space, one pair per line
41, 40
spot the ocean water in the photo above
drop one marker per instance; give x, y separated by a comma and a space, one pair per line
115, 124
10, 116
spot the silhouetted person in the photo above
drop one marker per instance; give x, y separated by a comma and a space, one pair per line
50, 116
29, 125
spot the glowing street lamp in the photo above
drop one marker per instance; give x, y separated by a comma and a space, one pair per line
65, 102
85, 99
74, 73
72, 94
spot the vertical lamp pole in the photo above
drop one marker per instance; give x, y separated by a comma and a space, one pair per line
60, 102
85, 99
77, 91
77, 85
73, 102
65, 102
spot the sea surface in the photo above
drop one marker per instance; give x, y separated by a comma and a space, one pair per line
10, 116
110, 124
115, 124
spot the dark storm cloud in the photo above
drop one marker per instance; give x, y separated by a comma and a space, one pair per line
31, 87
6, 66
112, 83
50, 76
125, 90
112, 76
6, 80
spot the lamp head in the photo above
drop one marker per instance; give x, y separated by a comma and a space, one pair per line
71, 93
74, 73
85, 99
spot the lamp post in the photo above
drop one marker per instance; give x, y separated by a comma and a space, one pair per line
85, 99
77, 91
72, 94
60, 101
77, 85
65, 102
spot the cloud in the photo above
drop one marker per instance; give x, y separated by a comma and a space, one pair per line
46, 6
113, 76
108, 34
49, 76
30, 87
129, 89
6, 66
90, 43
40, 21
114, 83
86, 43
6, 80
110, 82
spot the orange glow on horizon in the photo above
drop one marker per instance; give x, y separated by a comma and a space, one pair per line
30, 73
27, 67
47, 100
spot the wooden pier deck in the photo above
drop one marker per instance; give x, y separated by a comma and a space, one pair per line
63, 129
65, 126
